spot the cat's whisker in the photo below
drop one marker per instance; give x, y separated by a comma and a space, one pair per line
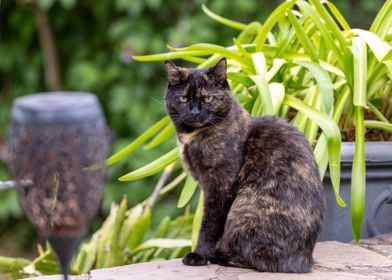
214, 124
156, 100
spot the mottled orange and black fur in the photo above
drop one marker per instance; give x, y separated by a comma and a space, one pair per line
263, 199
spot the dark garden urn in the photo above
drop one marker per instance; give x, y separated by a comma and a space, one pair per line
58, 145
378, 210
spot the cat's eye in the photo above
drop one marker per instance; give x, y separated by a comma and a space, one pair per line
183, 99
208, 99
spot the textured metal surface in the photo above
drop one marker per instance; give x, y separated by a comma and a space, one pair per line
59, 143
65, 193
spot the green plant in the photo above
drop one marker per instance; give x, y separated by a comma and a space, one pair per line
304, 63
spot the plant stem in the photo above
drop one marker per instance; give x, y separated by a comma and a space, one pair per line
168, 188
162, 180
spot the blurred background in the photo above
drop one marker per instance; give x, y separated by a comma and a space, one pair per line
49, 45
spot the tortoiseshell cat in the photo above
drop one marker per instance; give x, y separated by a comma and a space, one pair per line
263, 199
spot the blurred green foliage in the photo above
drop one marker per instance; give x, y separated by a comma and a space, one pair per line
95, 41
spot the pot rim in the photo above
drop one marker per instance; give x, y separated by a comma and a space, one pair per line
375, 152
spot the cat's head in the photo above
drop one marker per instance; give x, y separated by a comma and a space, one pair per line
197, 98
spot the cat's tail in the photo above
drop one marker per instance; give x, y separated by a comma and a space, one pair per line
265, 260
227, 259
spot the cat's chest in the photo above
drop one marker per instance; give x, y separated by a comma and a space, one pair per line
202, 154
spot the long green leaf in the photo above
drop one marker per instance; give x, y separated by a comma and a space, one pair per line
114, 254
387, 127
308, 10
109, 252
312, 128
300, 119
358, 176
118, 224
153, 167
277, 64
321, 151
323, 81
379, 47
188, 190
330, 23
45, 263
259, 63
377, 112
325, 65
303, 37
162, 136
376, 75
223, 20
197, 221
277, 91
248, 34
272, 19
163, 243
105, 235
8, 265
163, 227
133, 215
138, 141
388, 65
321, 155
257, 108
193, 59
382, 22
240, 48
287, 43
169, 55
264, 93
359, 51
87, 255
339, 17
240, 78
139, 229
208, 48
332, 134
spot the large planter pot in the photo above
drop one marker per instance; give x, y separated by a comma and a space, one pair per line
378, 211
59, 142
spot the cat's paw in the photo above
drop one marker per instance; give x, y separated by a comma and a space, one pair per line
194, 259
219, 258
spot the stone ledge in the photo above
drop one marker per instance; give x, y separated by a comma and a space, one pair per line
372, 259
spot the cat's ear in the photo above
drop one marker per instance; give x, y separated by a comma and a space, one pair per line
174, 73
220, 69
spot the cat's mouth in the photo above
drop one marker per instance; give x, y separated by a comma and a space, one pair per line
197, 123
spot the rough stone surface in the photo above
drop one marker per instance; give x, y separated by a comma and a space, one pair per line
370, 260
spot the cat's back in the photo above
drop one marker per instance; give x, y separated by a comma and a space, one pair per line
275, 141
276, 151
273, 133
279, 175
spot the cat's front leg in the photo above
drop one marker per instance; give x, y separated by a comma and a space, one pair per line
216, 208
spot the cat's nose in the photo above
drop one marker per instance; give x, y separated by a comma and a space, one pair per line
195, 111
